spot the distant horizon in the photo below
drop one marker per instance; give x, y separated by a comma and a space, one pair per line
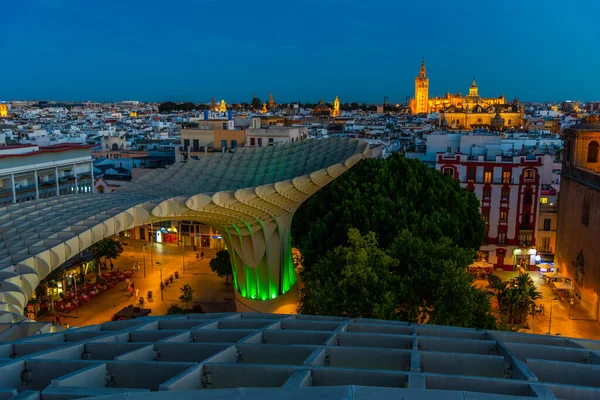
218, 100
359, 50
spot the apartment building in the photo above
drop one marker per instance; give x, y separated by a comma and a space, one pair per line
29, 172
516, 192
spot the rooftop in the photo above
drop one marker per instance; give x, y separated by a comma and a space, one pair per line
259, 356
32, 150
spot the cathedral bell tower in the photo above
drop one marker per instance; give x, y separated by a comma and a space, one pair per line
420, 103
271, 101
336, 107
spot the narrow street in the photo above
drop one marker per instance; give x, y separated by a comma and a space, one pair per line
567, 320
210, 291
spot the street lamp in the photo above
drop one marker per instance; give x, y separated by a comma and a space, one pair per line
182, 254
72, 276
144, 252
550, 322
161, 281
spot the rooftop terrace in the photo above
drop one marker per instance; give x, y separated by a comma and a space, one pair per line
218, 356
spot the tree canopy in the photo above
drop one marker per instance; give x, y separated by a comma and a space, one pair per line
392, 239
221, 265
515, 300
170, 106
419, 281
187, 294
256, 103
387, 197
351, 280
108, 248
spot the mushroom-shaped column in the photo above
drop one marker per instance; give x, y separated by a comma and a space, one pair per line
256, 225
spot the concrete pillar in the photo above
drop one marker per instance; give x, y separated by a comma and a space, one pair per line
75, 174
57, 184
37, 186
14, 190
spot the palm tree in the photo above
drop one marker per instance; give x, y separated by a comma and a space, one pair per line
496, 285
515, 301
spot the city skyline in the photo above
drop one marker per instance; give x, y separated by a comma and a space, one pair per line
359, 51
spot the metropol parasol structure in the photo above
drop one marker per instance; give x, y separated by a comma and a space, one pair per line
249, 195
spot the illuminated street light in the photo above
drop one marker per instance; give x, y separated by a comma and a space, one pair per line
144, 251
182, 255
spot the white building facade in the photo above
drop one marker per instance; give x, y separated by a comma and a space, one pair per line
29, 172
274, 135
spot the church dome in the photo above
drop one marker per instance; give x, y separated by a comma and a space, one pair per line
321, 109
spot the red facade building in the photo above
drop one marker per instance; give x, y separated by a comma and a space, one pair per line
509, 189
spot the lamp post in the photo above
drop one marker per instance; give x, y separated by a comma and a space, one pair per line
144, 252
182, 254
571, 303
550, 322
72, 276
152, 233
161, 281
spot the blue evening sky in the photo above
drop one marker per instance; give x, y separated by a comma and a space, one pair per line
360, 50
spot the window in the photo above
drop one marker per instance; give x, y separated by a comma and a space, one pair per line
568, 150
252, 141
509, 122
506, 177
503, 215
487, 176
585, 213
485, 214
196, 143
529, 174
592, 155
223, 143
543, 200
470, 173
525, 237
487, 194
545, 245
527, 197
505, 194
547, 224
259, 142
224, 125
502, 238
234, 144
526, 218
186, 143
449, 172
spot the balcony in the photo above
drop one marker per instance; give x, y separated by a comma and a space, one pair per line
495, 181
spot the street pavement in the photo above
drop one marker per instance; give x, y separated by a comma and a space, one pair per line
210, 291
571, 321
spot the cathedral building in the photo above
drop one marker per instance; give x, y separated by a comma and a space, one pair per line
3, 110
475, 112
469, 112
